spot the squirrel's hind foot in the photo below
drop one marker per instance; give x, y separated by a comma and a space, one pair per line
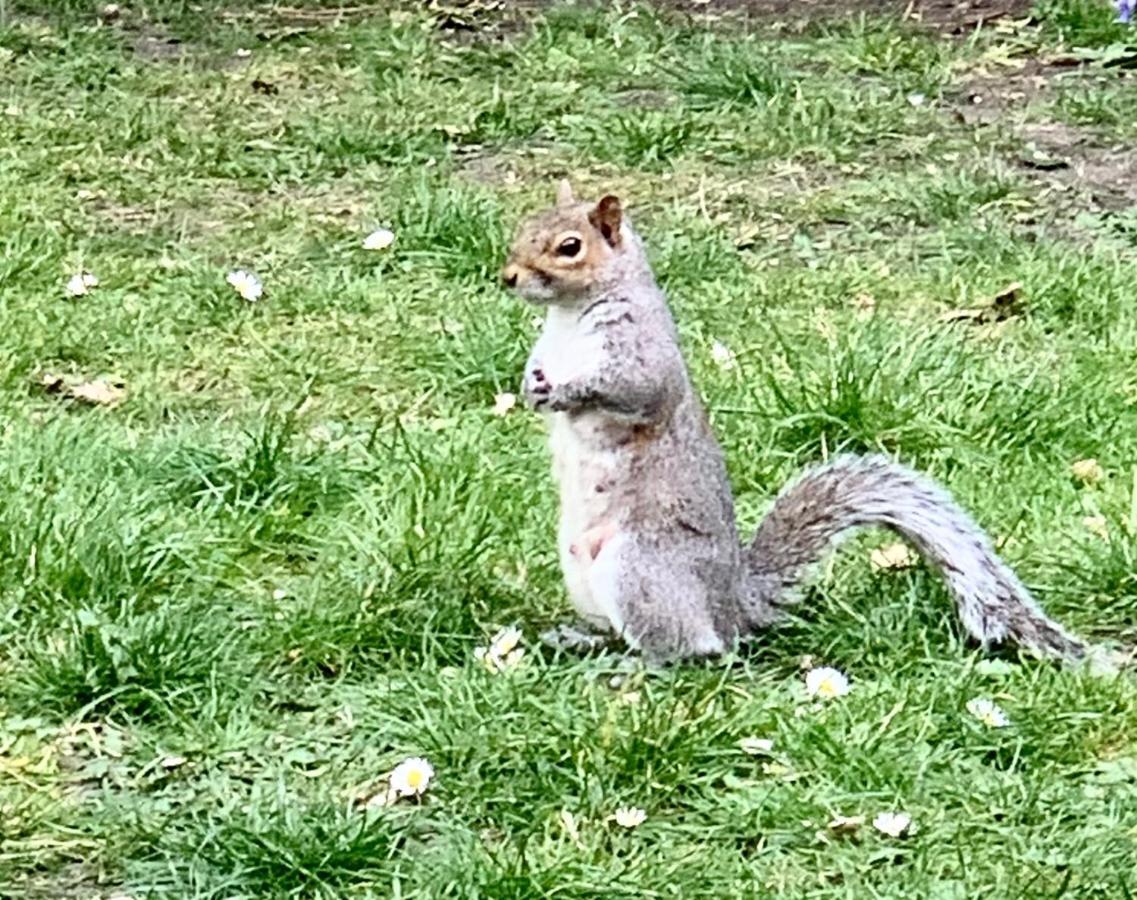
576, 637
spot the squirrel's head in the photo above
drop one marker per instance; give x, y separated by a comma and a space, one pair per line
567, 252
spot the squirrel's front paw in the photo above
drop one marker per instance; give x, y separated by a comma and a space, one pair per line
536, 388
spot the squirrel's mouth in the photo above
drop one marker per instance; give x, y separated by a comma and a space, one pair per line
535, 288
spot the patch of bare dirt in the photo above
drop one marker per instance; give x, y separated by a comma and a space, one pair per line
468, 21
950, 16
488, 168
1076, 163
1073, 167
155, 45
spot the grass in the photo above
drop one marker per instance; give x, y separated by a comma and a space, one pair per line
234, 601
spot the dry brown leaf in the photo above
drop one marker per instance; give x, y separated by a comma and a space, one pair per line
845, 824
864, 304
374, 795
98, 392
1087, 471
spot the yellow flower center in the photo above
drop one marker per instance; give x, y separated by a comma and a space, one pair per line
415, 779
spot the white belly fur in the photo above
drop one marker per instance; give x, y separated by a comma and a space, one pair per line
576, 517
577, 467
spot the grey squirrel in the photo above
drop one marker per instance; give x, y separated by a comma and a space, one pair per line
647, 536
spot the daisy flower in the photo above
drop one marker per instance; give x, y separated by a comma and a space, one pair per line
722, 355
894, 824
246, 284
81, 283
379, 239
411, 777
503, 403
827, 683
503, 653
630, 816
988, 713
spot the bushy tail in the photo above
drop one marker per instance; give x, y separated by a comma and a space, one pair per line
848, 492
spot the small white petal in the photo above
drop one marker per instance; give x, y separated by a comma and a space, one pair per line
630, 816
756, 746
379, 239
987, 712
81, 283
826, 683
279, 594
916, 99
722, 355
894, 824
503, 403
503, 653
505, 640
243, 52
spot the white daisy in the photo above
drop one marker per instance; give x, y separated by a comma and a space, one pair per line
630, 816
827, 683
503, 403
379, 239
722, 355
246, 284
894, 824
988, 713
81, 284
503, 653
411, 777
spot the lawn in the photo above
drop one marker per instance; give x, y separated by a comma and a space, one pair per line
248, 549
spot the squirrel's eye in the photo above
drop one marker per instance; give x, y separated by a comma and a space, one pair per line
569, 247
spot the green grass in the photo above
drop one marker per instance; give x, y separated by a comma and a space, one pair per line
237, 599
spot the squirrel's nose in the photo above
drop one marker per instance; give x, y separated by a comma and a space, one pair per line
509, 276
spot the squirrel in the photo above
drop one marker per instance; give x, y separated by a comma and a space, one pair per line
647, 538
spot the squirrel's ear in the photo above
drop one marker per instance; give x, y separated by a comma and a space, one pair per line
564, 193
606, 218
